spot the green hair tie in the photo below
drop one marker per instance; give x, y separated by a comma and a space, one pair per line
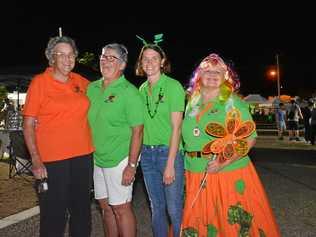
157, 39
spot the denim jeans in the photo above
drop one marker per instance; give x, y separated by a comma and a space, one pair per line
166, 201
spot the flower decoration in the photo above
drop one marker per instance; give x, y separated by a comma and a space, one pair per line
230, 140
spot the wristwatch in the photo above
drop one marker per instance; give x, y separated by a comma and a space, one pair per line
133, 165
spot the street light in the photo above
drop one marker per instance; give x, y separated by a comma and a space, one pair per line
275, 73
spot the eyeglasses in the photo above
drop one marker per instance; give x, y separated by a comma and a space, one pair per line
64, 56
109, 58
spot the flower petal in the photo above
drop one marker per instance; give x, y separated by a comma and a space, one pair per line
231, 125
215, 130
218, 145
228, 151
245, 129
207, 148
241, 147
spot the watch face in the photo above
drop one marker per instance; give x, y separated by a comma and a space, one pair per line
132, 165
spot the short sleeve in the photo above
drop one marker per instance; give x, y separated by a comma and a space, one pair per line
177, 97
34, 98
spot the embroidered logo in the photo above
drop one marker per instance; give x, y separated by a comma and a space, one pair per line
110, 99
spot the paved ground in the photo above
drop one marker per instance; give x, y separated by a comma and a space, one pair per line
288, 176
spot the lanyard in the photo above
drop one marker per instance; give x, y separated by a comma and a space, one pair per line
203, 111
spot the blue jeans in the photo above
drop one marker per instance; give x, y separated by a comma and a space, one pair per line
163, 198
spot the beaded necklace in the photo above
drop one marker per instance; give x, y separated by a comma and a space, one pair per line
160, 96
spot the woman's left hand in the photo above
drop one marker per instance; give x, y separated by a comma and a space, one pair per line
214, 166
169, 175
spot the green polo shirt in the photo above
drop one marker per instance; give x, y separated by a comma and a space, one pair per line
217, 113
167, 96
112, 114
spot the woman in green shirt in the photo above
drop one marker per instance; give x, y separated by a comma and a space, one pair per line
224, 196
161, 159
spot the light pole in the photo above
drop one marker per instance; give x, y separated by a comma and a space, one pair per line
275, 74
278, 74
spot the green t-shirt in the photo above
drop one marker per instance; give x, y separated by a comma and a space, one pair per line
216, 113
167, 96
112, 114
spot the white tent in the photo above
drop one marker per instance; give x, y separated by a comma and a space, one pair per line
256, 99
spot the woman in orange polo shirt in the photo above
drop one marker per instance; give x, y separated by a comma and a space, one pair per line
58, 137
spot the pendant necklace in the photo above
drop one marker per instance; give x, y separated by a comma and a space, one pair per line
159, 100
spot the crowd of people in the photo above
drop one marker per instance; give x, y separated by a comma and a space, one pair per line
289, 119
193, 150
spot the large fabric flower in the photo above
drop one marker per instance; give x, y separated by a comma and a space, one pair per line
231, 138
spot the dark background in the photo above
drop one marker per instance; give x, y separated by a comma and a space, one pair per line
249, 37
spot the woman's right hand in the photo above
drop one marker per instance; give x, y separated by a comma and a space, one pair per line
39, 169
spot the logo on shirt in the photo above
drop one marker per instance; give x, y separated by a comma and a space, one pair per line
110, 99
77, 89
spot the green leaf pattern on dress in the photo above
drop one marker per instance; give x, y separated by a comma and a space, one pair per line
237, 215
190, 232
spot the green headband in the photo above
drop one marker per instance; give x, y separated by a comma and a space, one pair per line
157, 39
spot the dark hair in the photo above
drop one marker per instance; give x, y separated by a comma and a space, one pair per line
165, 68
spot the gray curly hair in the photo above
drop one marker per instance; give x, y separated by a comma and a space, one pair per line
49, 51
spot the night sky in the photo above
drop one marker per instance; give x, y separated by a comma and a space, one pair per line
249, 39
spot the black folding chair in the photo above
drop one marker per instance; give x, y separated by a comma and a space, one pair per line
20, 160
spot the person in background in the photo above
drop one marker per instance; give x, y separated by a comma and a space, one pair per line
116, 120
224, 195
313, 124
307, 113
281, 120
294, 114
161, 156
57, 135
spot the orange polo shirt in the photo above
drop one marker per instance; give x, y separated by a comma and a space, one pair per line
62, 129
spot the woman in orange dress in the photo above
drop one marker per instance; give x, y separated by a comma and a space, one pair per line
224, 195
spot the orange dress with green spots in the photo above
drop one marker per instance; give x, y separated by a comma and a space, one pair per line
231, 202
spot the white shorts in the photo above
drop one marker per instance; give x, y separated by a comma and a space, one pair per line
108, 184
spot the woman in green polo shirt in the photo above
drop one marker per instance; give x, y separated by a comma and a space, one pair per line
224, 196
161, 159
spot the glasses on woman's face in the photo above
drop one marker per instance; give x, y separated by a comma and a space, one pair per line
109, 58
64, 56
